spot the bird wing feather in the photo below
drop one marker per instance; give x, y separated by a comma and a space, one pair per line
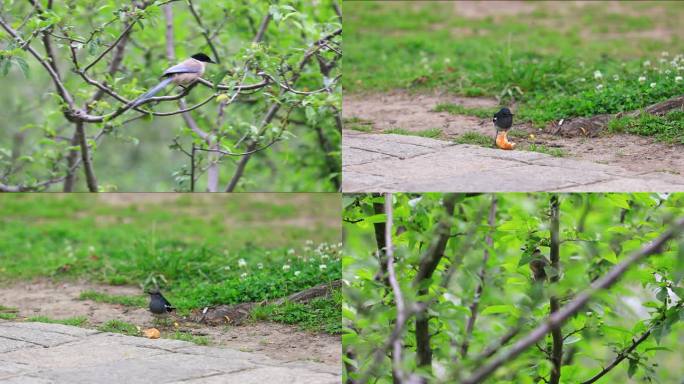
181, 68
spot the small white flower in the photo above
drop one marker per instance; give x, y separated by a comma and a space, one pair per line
653, 85
665, 53
667, 71
260, 266
642, 79
227, 268
286, 267
599, 87
243, 275
678, 79
647, 63
297, 273
661, 60
242, 263
325, 257
322, 267
447, 60
91, 249
309, 242
598, 75
582, 79
616, 77
290, 251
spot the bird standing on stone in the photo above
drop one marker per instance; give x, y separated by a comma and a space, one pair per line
158, 303
503, 120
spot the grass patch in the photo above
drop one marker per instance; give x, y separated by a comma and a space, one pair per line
555, 152
118, 326
8, 316
475, 138
319, 315
75, 321
430, 132
200, 252
458, 109
129, 301
357, 124
668, 128
199, 340
554, 68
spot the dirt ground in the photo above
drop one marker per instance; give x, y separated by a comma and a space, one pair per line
414, 112
60, 300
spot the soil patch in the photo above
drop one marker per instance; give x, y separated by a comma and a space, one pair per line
415, 112
60, 300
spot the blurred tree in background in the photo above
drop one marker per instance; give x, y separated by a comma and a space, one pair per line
264, 118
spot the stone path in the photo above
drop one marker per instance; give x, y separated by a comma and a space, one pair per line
39, 353
387, 163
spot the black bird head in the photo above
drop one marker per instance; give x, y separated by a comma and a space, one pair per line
503, 119
202, 57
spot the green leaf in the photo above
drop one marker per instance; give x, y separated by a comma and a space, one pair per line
619, 200
494, 309
633, 366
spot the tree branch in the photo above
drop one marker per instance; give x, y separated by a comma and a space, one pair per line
554, 302
273, 110
622, 355
559, 317
397, 346
481, 276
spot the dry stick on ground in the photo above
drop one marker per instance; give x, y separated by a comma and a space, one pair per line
397, 345
428, 263
593, 126
273, 110
481, 276
554, 301
558, 318
622, 355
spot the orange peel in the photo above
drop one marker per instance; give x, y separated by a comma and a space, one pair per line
502, 141
152, 333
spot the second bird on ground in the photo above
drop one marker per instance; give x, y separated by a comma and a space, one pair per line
503, 120
158, 303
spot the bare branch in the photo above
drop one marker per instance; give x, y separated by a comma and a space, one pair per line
396, 289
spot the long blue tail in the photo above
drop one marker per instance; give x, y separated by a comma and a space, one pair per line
152, 92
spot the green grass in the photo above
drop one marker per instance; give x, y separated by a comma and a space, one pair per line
475, 138
118, 326
129, 301
555, 152
75, 321
458, 109
319, 315
553, 65
357, 124
668, 128
200, 252
8, 316
430, 132
199, 340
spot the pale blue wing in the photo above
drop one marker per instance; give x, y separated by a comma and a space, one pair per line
183, 67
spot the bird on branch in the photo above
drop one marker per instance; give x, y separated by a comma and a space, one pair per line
184, 73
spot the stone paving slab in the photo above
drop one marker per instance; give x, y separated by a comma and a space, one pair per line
397, 163
59, 354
